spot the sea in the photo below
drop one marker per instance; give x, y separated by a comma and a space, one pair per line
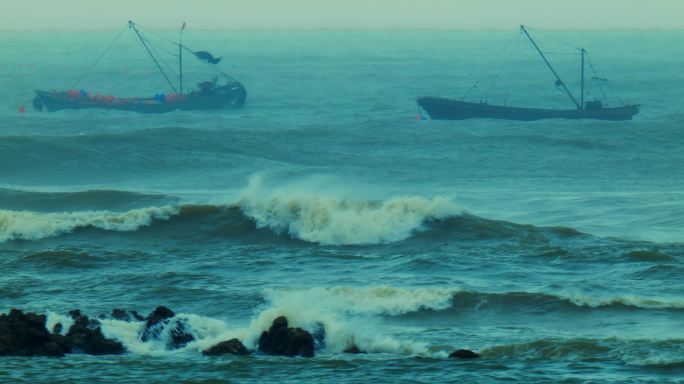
553, 248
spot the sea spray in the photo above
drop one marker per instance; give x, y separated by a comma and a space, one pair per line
352, 316
333, 220
348, 316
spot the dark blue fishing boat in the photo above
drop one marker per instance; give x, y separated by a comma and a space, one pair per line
207, 96
448, 109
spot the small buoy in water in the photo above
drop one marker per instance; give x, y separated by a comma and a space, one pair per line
419, 118
22, 109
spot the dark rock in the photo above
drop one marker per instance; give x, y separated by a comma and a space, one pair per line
123, 315
464, 354
160, 314
57, 328
180, 336
75, 314
53, 349
354, 350
232, 347
284, 341
119, 314
279, 322
156, 323
25, 335
85, 335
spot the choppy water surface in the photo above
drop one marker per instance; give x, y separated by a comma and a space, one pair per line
554, 248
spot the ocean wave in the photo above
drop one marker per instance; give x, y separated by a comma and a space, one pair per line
315, 218
373, 337
27, 225
660, 354
339, 221
562, 301
648, 256
356, 316
348, 316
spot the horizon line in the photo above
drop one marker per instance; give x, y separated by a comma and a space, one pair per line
71, 29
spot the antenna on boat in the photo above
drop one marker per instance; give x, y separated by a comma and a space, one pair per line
558, 79
180, 57
132, 26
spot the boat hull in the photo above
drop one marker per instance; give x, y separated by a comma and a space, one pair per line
227, 97
447, 109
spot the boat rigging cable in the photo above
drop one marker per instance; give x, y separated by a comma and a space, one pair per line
595, 76
98, 59
154, 52
504, 69
132, 25
507, 51
209, 65
491, 65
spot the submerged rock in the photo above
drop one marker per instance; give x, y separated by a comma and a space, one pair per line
159, 320
25, 335
230, 347
284, 341
124, 315
464, 354
319, 337
180, 335
354, 350
152, 329
159, 314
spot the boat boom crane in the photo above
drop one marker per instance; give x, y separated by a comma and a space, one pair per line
132, 26
558, 79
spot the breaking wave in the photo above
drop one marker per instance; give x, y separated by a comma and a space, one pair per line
27, 225
321, 218
356, 316
559, 301
346, 317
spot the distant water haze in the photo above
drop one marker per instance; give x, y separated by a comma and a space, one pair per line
450, 14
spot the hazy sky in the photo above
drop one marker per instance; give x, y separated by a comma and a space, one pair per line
503, 14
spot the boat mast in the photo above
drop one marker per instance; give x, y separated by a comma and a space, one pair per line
132, 26
558, 79
180, 57
582, 81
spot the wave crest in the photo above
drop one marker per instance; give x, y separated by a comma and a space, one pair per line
26, 225
332, 221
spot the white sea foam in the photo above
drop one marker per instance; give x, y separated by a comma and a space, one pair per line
325, 219
27, 225
207, 332
349, 316
626, 300
52, 318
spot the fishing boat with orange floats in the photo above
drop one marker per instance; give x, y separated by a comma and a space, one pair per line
209, 95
